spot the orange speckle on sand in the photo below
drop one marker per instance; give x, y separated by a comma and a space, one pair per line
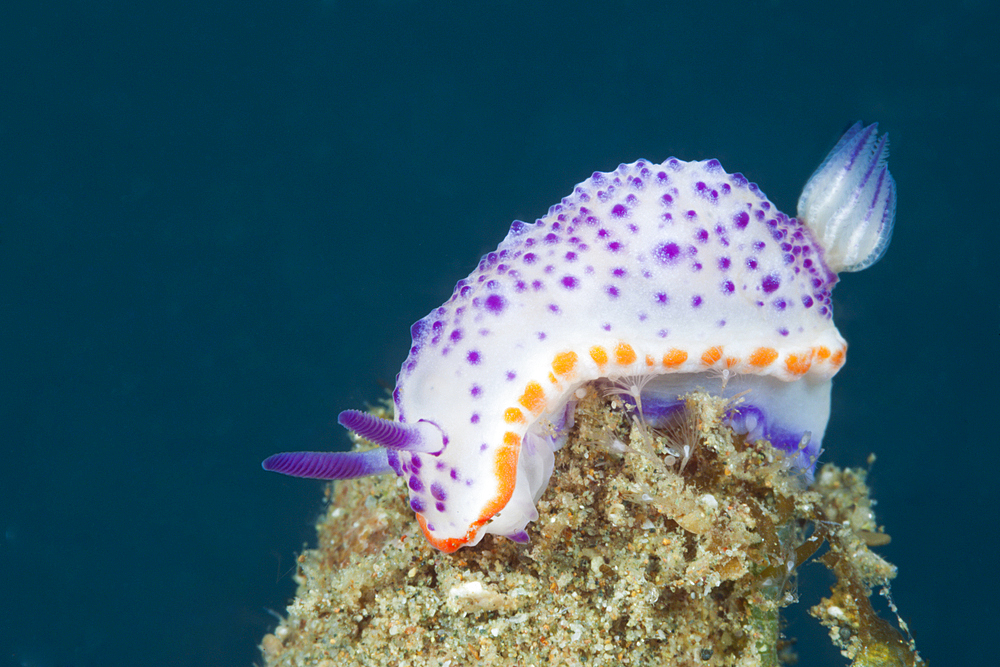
837, 358
513, 416
822, 352
533, 398
553, 379
798, 364
511, 440
599, 355
564, 364
711, 355
624, 354
674, 358
650, 361
763, 356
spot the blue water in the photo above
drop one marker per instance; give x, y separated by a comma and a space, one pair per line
219, 219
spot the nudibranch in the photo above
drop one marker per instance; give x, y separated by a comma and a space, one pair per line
674, 270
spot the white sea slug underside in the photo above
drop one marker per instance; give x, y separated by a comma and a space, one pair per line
674, 270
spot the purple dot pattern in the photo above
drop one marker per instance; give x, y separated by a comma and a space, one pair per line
669, 255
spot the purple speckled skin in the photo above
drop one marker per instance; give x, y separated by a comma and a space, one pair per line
672, 270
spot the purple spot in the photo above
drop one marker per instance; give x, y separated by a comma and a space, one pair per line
417, 505
807, 301
724, 263
517, 228
438, 491
415, 462
475, 418
662, 333
606, 326
619, 211
695, 301
494, 303
416, 484
475, 391
530, 258
783, 331
440, 508
473, 357
551, 238
454, 474
751, 263
661, 297
612, 291
553, 307
771, 283
741, 219
569, 282
728, 287
701, 235
618, 272
780, 304
667, 253
667, 200
519, 286
614, 246
536, 285
570, 256
511, 375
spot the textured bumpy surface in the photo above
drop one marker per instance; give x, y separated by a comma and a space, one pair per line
639, 558
676, 271
650, 269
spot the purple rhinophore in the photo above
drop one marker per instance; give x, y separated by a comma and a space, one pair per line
394, 435
329, 465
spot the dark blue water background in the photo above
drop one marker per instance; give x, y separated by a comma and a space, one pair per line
219, 219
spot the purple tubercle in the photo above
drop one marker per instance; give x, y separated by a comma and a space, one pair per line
329, 465
394, 435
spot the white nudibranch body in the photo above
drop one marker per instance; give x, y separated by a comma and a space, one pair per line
677, 270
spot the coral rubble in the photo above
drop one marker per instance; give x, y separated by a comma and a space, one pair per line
670, 546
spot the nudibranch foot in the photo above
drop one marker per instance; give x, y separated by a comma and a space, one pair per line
850, 200
792, 416
329, 465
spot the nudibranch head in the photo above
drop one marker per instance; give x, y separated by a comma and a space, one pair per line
675, 270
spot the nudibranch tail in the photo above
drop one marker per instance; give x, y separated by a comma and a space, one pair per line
329, 465
422, 436
850, 200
